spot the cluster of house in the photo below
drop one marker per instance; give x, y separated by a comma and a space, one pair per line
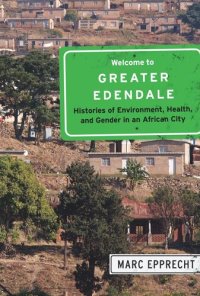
142, 15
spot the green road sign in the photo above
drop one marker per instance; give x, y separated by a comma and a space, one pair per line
130, 92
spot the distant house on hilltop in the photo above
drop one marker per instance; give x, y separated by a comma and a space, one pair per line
159, 157
38, 3
30, 23
87, 4
160, 6
57, 14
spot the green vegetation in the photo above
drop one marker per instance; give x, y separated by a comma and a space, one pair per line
134, 172
95, 220
192, 16
192, 283
26, 84
166, 204
22, 199
35, 292
71, 16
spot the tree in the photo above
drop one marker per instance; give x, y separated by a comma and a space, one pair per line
43, 116
191, 208
22, 199
134, 172
192, 16
92, 146
25, 83
166, 204
95, 216
71, 16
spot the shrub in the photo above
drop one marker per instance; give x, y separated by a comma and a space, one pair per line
71, 16
192, 282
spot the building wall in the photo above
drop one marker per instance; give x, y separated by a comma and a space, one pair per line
185, 5
7, 43
145, 6
30, 23
86, 4
45, 13
95, 24
160, 166
153, 146
103, 14
171, 147
37, 4
50, 43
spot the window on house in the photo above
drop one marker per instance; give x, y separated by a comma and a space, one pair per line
162, 149
139, 230
21, 42
143, 27
105, 161
150, 161
154, 28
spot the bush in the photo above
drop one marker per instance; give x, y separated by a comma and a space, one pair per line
178, 294
192, 282
71, 16
112, 291
2, 234
162, 279
14, 233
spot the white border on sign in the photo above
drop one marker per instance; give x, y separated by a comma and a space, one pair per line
118, 50
154, 255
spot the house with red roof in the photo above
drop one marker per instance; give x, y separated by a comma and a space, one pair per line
147, 227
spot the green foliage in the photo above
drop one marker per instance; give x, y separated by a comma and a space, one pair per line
84, 282
14, 233
112, 291
54, 33
34, 292
166, 203
191, 204
71, 16
178, 294
22, 198
192, 16
134, 172
97, 217
192, 283
25, 84
163, 278
3, 234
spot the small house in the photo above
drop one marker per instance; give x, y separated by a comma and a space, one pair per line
38, 3
95, 24
99, 14
87, 4
160, 24
147, 228
145, 5
30, 23
57, 14
48, 43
